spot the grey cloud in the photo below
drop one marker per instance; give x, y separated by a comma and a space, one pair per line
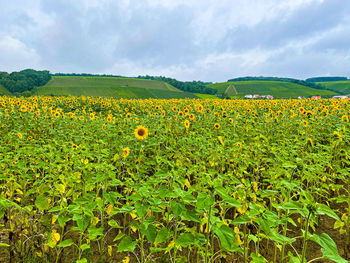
187, 41
306, 22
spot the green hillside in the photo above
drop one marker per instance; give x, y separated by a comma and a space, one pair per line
206, 96
277, 89
110, 87
342, 87
4, 91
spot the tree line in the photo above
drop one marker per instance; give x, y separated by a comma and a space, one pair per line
325, 79
290, 80
189, 86
25, 80
87, 75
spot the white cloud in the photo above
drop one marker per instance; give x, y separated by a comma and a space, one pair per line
186, 39
15, 55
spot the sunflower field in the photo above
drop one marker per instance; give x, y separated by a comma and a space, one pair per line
88, 179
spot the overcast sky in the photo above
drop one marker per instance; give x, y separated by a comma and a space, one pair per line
185, 39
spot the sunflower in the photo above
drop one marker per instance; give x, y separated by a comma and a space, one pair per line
23, 108
305, 123
57, 114
128, 115
255, 187
126, 152
109, 118
141, 133
187, 124
104, 126
337, 134
92, 116
221, 141
191, 116
20, 136
217, 126
310, 141
345, 118
75, 146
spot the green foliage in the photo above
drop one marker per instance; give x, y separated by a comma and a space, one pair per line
278, 89
77, 184
189, 86
289, 80
24, 80
4, 91
326, 79
110, 87
342, 87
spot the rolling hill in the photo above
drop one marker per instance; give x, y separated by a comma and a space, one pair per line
342, 87
110, 87
4, 91
278, 89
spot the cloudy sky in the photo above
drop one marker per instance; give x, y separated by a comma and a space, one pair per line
185, 39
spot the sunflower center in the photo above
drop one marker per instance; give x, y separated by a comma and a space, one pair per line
141, 132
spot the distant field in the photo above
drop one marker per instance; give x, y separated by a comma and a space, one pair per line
4, 91
342, 87
205, 96
110, 87
277, 89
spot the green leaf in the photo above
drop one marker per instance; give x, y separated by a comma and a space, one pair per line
263, 223
114, 224
177, 208
242, 220
119, 236
329, 248
185, 240
83, 224
227, 238
127, 245
141, 209
293, 205
62, 219
292, 258
227, 198
323, 209
281, 239
54, 209
149, 231
84, 247
257, 258
204, 201
163, 235
95, 232
41, 202
190, 215
83, 260
4, 244
65, 243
